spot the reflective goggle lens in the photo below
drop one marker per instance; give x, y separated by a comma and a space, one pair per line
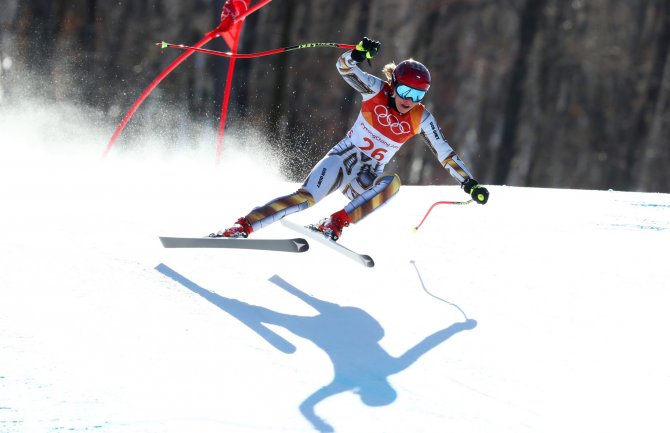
406, 92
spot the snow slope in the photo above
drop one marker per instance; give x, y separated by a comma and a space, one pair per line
543, 311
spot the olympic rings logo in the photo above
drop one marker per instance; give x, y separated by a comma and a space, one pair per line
386, 119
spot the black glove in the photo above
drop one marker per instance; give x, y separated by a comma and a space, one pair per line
366, 49
477, 192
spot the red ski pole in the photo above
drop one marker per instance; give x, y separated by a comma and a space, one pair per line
259, 54
441, 202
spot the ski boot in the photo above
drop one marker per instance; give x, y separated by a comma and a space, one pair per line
241, 229
332, 226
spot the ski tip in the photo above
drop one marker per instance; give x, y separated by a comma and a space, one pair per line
367, 261
163, 44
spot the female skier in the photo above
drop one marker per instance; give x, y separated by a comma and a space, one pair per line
391, 113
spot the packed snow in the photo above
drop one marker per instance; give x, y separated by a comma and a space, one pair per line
545, 310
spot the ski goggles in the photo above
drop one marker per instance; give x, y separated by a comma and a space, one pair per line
406, 92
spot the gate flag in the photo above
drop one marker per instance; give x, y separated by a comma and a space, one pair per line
233, 15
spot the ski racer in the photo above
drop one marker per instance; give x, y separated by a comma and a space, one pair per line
391, 113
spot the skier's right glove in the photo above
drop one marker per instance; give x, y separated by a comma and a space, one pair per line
366, 49
476, 191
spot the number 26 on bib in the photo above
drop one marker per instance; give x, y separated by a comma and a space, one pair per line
377, 153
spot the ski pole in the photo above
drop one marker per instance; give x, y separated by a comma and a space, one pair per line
259, 54
441, 202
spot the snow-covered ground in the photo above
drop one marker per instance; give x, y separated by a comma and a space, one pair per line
543, 311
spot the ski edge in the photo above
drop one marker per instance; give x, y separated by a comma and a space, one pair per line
362, 259
295, 245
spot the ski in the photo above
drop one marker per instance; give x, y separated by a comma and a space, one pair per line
363, 259
297, 245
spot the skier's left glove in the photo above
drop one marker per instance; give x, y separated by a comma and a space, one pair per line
366, 49
476, 191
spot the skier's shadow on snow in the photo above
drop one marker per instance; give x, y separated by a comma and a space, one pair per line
349, 336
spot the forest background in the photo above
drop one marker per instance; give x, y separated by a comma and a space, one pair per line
542, 93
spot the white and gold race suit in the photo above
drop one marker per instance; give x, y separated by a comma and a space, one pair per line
355, 165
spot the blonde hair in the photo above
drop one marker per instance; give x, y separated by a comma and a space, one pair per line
388, 71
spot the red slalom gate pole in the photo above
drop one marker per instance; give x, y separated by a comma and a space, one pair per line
224, 108
232, 18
